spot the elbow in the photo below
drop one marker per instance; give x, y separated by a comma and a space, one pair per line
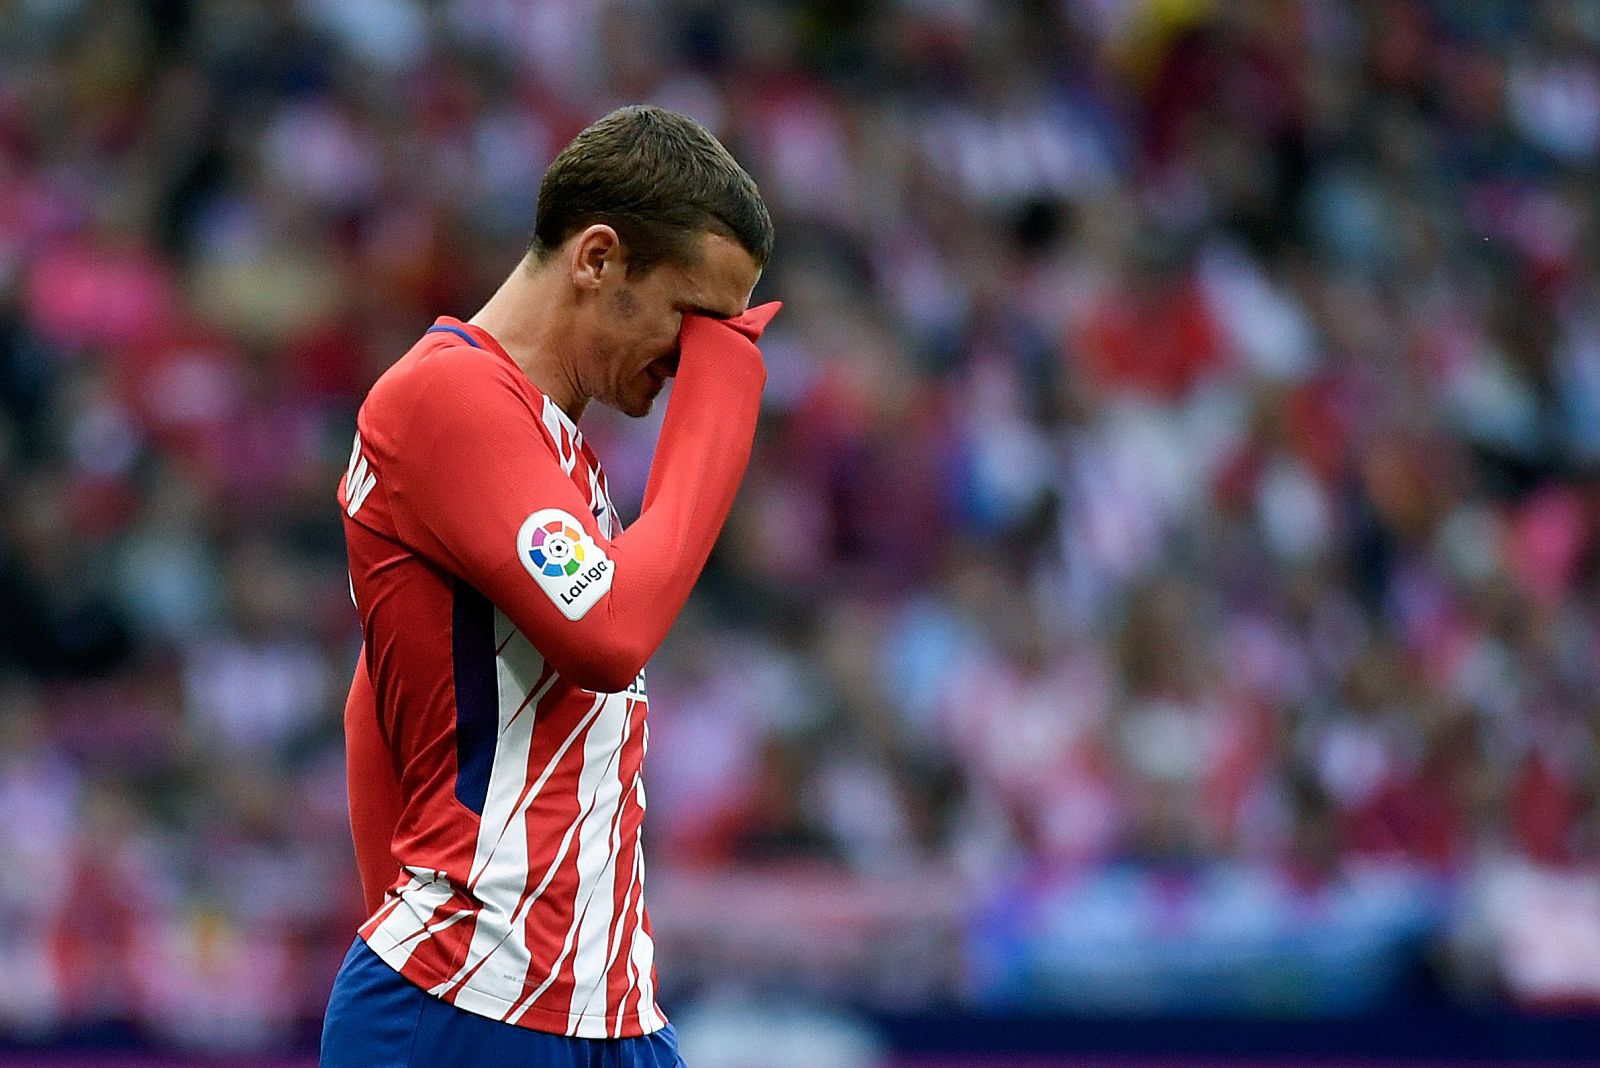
608, 668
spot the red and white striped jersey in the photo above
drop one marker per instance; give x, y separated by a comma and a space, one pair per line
521, 892
507, 619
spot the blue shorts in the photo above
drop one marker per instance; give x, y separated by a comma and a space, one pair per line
377, 1019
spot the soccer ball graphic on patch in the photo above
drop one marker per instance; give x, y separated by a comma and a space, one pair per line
557, 549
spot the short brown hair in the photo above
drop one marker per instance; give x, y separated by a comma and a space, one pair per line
659, 179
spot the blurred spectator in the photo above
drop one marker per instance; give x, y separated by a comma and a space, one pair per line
1173, 537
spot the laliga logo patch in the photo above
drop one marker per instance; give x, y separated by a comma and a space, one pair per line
566, 563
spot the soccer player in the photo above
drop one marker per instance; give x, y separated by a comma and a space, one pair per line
498, 722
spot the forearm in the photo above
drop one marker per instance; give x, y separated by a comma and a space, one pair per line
700, 459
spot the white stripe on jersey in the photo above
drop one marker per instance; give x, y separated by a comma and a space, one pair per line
504, 878
517, 666
564, 433
410, 918
642, 959
597, 782
593, 958
487, 1004
500, 862
644, 946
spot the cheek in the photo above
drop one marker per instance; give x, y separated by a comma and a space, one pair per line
664, 339
624, 304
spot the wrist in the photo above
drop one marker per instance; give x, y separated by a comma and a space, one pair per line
710, 351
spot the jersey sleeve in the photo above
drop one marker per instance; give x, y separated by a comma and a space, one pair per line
476, 489
374, 790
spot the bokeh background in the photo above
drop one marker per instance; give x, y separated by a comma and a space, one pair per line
1162, 616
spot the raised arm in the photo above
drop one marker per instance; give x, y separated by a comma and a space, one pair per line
505, 518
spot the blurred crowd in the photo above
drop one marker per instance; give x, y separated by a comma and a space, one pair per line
1175, 522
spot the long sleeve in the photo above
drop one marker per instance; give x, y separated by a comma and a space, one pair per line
374, 787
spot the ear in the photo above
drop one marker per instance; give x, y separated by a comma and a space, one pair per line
594, 250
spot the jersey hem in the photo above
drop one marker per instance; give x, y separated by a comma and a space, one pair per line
558, 1023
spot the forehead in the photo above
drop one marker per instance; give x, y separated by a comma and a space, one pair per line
721, 278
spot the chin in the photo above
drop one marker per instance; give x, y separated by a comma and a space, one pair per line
635, 407
638, 405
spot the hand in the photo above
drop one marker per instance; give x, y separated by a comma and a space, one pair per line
754, 321
724, 342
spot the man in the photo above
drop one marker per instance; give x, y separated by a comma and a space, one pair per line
497, 725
